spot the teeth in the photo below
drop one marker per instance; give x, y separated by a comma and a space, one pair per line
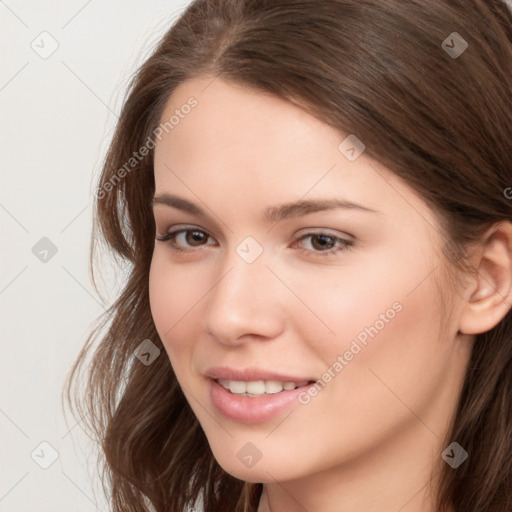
237, 387
224, 383
274, 386
256, 388
259, 387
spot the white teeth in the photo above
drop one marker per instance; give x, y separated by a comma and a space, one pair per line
237, 387
259, 387
274, 386
224, 383
256, 388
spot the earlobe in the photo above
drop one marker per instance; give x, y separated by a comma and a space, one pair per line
490, 296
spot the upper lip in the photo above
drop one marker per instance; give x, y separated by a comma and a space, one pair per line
250, 375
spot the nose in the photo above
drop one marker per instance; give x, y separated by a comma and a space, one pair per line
246, 303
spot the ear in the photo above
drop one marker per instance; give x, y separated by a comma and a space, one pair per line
489, 297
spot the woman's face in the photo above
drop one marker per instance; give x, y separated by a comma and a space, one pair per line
298, 259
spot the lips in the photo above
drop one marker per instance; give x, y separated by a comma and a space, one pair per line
252, 375
259, 387
253, 395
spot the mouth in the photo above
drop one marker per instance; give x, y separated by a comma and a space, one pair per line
252, 397
259, 388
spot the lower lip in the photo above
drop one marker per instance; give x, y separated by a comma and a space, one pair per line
245, 409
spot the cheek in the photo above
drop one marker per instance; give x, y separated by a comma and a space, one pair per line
174, 294
385, 317
373, 372
389, 340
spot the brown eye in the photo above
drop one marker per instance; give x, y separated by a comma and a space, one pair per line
322, 242
186, 239
195, 238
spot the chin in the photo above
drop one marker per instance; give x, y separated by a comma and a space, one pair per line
265, 470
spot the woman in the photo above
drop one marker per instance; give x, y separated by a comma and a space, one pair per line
314, 201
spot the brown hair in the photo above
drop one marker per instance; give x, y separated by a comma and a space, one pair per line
373, 68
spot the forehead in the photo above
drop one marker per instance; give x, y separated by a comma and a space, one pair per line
254, 148
230, 121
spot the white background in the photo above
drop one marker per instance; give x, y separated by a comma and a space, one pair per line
57, 117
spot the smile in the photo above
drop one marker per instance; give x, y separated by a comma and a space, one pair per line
259, 387
254, 401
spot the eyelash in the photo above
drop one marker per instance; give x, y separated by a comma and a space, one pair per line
345, 244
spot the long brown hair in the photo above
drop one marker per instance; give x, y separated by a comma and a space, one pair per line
380, 70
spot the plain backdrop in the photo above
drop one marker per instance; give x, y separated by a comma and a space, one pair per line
64, 71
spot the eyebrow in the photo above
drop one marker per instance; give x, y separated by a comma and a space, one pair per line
272, 213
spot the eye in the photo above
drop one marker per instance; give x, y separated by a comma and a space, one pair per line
191, 239
324, 244
185, 239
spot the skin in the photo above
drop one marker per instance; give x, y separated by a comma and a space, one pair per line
370, 438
